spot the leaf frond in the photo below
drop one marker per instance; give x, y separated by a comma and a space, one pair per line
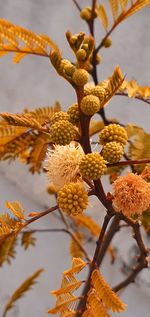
105, 293
21, 290
77, 265
7, 249
102, 15
23, 120
113, 84
27, 240
16, 209
96, 306
75, 250
21, 41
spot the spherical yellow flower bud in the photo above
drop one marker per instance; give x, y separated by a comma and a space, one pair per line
113, 132
99, 92
57, 116
85, 14
62, 132
69, 69
112, 152
107, 42
81, 54
72, 199
98, 59
74, 115
63, 64
92, 166
88, 89
80, 77
90, 105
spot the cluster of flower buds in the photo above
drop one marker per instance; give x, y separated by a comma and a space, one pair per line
113, 138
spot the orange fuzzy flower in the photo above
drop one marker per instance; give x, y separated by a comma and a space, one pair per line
131, 194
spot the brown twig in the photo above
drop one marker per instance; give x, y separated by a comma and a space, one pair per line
131, 278
129, 162
135, 97
77, 5
40, 214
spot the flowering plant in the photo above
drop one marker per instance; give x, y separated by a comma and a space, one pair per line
60, 144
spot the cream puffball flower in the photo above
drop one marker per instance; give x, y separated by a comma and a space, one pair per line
62, 164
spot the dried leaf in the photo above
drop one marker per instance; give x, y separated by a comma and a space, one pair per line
16, 208
77, 265
19, 292
75, 250
23, 120
21, 41
113, 84
102, 15
139, 146
114, 5
7, 249
105, 293
38, 152
27, 240
96, 306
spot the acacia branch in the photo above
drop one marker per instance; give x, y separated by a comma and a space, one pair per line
77, 5
135, 97
40, 214
131, 278
129, 162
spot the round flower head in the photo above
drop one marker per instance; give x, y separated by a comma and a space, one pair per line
113, 132
81, 54
88, 89
72, 199
112, 152
62, 132
131, 194
74, 115
90, 105
99, 92
57, 116
92, 166
107, 42
80, 77
62, 164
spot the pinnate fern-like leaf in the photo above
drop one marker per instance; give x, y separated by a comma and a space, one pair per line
77, 265
8, 133
105, 293
133, 89
102, 15
113, 84
139, 146
21, 290
69, 285
114, 5
75, 250
135, 7
21, 41
23, 120
38, 152
96, 306
89, 223
7, 248
16, 209
43, 114
66, 301
27, 240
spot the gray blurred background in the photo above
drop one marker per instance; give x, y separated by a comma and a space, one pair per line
34, 83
